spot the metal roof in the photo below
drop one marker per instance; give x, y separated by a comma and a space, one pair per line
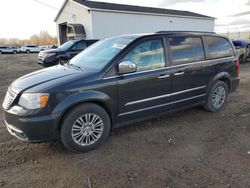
94, 5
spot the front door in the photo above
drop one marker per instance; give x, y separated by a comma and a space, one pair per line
147, 91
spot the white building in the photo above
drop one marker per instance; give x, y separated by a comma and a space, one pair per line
98, 20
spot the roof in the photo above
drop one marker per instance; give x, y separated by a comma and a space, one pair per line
94, 5
168, 33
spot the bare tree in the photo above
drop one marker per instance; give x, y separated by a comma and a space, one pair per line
43, 38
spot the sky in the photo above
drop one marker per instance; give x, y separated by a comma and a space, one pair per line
23, 18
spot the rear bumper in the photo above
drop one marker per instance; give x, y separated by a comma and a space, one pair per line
31, 129
235, 84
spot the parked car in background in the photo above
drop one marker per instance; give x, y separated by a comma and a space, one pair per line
118, 81
16, 49
63, 53
30, 48
9, 50
242, 50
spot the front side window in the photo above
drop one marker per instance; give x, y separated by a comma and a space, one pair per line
219, 47
186, 49
147, 55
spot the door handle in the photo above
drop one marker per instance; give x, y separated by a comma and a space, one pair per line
179, 73
164, 76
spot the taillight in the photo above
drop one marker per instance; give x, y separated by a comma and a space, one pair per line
237, 67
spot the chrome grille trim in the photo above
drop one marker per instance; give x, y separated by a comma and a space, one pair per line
9, 98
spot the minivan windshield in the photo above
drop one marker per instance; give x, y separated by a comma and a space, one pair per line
66, 45
97, 56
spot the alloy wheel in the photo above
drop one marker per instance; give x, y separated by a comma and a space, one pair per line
87, 129
219, 97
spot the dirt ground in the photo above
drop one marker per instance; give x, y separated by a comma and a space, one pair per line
191, 148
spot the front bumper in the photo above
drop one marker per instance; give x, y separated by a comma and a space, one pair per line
31, 129
48, 61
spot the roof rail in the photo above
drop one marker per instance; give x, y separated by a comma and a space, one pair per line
185, 32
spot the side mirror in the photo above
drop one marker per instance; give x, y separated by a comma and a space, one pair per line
127, 67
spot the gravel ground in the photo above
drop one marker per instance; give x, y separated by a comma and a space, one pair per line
191, 148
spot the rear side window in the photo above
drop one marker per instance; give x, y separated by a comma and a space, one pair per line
219, 47
186, 49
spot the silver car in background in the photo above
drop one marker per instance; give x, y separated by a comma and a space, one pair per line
9, 50
30, 48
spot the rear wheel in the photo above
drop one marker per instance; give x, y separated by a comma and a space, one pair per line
217, 97
14, 52
0, 52
27, 51
85, 128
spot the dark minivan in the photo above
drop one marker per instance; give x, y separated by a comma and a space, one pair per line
118, 81
63, 53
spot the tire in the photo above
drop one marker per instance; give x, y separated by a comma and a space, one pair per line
217, 97
241, 59
75, 132
1, 52
14, 52
27, 51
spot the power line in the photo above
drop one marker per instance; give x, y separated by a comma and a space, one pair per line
47, 5
52, 7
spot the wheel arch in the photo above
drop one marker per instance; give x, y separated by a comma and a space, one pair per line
75, 100
223, 76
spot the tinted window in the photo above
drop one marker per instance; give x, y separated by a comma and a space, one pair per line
186, 49
147, 55
219, 47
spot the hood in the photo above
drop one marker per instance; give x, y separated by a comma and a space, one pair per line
51, 76
53, 51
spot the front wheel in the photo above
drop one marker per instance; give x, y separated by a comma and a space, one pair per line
85, 127
217, 97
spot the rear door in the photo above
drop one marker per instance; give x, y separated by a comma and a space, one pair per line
190, 73
148, 91
195, 61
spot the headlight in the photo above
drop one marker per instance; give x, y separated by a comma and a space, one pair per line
33, 100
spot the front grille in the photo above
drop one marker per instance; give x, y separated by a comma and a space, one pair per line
41, 55
9, 98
